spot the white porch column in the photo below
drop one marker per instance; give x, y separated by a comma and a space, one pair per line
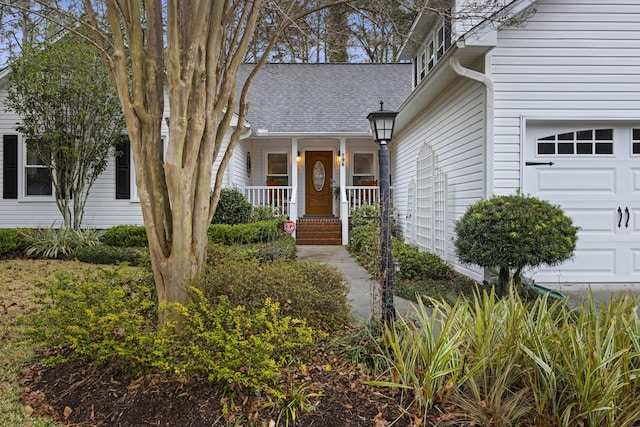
293, 202
344, 205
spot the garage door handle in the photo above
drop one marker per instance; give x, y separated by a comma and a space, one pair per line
626, 210
619, 216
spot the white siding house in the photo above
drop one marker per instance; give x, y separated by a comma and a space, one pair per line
303, 119
550, 106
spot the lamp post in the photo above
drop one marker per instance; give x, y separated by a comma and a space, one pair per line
382, 123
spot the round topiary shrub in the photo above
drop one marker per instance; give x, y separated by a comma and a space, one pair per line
513, 233
233, 208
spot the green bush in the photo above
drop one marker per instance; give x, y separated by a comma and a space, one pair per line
231, 344
104, 317
128, 236
305, 289
263, 213
283, 249
10, 241
419, 265
513, 233
233, 208
105, 254
254, 232
109, 318
58, 242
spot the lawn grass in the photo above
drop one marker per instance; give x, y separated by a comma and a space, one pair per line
18, 282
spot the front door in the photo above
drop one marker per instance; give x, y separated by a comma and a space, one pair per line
318, 179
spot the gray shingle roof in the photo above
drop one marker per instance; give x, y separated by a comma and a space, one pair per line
324, 97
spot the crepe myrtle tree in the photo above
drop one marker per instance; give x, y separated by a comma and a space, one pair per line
70, 116
189, 52
513, 233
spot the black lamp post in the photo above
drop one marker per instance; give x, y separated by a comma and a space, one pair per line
382, 123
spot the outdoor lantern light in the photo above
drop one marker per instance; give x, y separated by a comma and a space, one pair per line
382, 123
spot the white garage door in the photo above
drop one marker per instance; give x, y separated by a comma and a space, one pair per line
593, 172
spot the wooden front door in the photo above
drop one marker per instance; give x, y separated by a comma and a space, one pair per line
318, 180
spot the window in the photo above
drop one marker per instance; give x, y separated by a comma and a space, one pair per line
583, 142
436, 46
635, 144
37, 179
363, 173
277, 169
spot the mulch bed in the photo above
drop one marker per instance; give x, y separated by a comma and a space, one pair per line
76, 394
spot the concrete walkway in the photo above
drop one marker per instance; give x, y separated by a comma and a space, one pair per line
365, 291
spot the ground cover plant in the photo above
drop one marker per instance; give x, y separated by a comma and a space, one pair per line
502, 361
420, 273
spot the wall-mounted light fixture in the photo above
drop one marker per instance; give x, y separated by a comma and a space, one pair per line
299, 159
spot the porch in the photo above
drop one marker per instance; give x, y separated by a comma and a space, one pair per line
327, 229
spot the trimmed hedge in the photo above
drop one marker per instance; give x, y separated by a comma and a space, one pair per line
105, 254
10, 240
128, 236
255, 232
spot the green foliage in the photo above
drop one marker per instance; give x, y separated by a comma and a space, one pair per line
417, 264
10, 240
495, 361
305, 290
263, 213
70, 115
513, 233
263, 231
58, 242
103, 317
282, 249
231, 344
109, 318
128, 236
233, 208
105, 254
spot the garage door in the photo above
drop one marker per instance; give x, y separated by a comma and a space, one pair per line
593, 172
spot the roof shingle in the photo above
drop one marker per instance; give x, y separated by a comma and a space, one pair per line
323, 97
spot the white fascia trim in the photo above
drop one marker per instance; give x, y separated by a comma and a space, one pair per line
266, 134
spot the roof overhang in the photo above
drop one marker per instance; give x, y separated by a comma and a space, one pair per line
266, 134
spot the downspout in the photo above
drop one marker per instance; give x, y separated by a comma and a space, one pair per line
454, 62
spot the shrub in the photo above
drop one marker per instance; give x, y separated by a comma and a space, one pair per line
419, 265
105, 254
231, 344
263, 213
58, 242
10, 240
513, 233
108, 317
226, 234
104, 317
128, 236
305, 289
233, 208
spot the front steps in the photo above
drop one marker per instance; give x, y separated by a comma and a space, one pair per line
319, 231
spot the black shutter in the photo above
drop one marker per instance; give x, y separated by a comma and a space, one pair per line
10, 167
123, 170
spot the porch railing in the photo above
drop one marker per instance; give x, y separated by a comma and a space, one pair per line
358, 195
279, 197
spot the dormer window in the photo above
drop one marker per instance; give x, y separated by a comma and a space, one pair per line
436, 45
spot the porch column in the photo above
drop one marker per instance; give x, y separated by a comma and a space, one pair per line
293, 198
344, 205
